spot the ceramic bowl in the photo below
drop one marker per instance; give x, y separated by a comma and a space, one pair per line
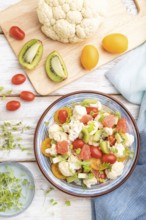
41, 133
28, 190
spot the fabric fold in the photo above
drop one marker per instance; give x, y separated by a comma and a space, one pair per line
128, 202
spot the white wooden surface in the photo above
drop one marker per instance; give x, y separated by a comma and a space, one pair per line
29, 114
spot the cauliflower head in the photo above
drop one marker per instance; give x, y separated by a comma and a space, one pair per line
69, 21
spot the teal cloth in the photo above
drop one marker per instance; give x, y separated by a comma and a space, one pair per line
128, 202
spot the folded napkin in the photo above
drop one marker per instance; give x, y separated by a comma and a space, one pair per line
128, 202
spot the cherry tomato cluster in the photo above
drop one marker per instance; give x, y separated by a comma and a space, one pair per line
91, 151
18, 79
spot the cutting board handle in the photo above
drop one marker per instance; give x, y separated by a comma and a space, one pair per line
141, 6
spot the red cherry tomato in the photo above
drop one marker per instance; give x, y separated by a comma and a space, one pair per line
16, 33
62, 147
86, 118
18, 79
109, 158
13, 105
92, 111
111, 139
98, 174
62, 116
95, 152
122, 125
109, 121
77, 144
85, 152
27, 96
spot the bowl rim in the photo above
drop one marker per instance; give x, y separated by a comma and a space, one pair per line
137, 134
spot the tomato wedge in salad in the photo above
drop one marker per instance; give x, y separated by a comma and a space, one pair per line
95, 152
109, 121
78, 143
92, 111
85, 152
122, 125
86, 118
62, 147
111, 139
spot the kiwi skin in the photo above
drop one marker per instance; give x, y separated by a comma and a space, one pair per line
49, 70
37, 58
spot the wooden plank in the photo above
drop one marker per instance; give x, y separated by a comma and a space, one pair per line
29, 114
117, 20
41, 207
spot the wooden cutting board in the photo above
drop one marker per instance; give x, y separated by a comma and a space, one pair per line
116, 19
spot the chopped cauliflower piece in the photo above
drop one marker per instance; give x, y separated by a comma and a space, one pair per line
54, 128
59, 136
130, 139
56, 133
97, 105
117, 169
74, 162
73, 128
120, 149
52, 150
90, 181
109, 131
65, 168
79, 111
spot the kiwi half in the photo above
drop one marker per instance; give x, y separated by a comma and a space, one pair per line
55, 67
31, 54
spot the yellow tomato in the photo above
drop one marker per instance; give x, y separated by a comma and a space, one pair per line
69, 111
115, 43
56, 172
89, 57
95, 163
122, 159
45, 145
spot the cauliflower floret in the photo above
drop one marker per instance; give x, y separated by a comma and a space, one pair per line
89, 182
73, 128
56, 133
109, 131
65, 168
60, 136
120, 150
52, 150
116, 170
78, 112
74, 162
130, 139
73, 20
97, 105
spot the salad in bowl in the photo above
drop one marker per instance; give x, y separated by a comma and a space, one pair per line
86, 144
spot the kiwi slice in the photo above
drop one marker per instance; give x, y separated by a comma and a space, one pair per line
85, 134
31, 54
55, 67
